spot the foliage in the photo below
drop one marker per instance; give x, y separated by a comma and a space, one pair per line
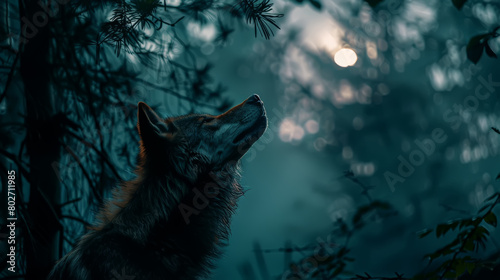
477, 44
121, 30
472, 235
331, 258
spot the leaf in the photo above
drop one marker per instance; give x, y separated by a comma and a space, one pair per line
469, 245
442, 229
433, 256
491, 219
342, 252
373, 3
420, 277
316, 4
460, 268
481, 232
458, 3
423, 233
337, 271
365, 211
475, 52
453, 224
489, 51
382, 205
481, 243
449, 275
341, 227
470, 267
465, 223
475, 47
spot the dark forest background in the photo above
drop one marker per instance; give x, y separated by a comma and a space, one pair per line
386, 169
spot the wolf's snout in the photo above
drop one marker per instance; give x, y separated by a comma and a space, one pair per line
251, 124
255, 99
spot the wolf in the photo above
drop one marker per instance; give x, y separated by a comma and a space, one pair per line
172, 220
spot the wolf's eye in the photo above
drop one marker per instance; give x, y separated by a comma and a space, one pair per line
171, 127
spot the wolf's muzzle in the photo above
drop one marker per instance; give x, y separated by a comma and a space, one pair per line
253, 110
254, 99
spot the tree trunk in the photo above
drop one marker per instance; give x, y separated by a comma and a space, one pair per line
42, 143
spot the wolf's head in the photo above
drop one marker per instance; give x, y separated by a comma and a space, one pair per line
197, 143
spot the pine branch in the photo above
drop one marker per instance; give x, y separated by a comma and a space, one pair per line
258, 13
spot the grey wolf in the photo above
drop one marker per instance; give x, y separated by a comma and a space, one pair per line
172, 220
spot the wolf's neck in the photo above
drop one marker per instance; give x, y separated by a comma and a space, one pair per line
177, 215
201, 218
140, 204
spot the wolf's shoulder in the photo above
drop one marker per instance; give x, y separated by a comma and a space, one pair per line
103, 255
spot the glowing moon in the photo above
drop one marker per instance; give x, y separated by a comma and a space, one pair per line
345, 57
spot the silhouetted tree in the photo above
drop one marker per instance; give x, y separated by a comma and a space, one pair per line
74, 71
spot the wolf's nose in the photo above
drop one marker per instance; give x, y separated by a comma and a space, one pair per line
254, 99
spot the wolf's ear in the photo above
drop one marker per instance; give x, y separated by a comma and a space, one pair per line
151, 127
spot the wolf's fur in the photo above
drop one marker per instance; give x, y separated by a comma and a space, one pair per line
170, 222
